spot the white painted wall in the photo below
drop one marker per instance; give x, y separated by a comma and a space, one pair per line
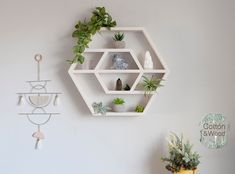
195, 37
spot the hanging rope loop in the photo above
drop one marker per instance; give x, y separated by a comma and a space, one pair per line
38, 58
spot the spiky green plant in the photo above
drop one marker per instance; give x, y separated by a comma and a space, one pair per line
118, 36
139, 108
151, 84
118, 101
180, 155
84, 30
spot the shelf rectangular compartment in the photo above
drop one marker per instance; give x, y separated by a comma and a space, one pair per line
108, 81
131, 101
106, 63
92, 88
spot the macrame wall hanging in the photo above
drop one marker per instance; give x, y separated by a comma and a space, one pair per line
38, 98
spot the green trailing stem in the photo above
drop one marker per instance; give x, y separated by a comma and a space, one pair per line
84, 30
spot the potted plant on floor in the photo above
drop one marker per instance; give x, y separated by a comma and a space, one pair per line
181, 160
118, 40
118, 105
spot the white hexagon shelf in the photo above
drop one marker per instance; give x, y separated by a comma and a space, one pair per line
96, 80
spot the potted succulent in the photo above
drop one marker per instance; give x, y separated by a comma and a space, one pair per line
181, 160
99, 108
118, 40
118, 105
150, 84
139, 108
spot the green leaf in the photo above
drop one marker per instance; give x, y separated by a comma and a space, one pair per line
70, 61
81, 59
85, 29
75, 33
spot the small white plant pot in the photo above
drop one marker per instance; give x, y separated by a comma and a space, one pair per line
120, 44
119, 108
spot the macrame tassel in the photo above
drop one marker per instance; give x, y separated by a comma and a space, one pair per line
20, 100
56, 100
39, 137
38, 144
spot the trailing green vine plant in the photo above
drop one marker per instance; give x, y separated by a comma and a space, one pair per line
84, 30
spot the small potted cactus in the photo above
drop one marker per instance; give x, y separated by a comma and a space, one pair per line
119, 105
118, 40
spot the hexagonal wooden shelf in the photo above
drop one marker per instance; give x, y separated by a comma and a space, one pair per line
95, 79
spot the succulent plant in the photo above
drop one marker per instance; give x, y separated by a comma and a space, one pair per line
99, 108
139, 108
118, 101
181, 155
118, 36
